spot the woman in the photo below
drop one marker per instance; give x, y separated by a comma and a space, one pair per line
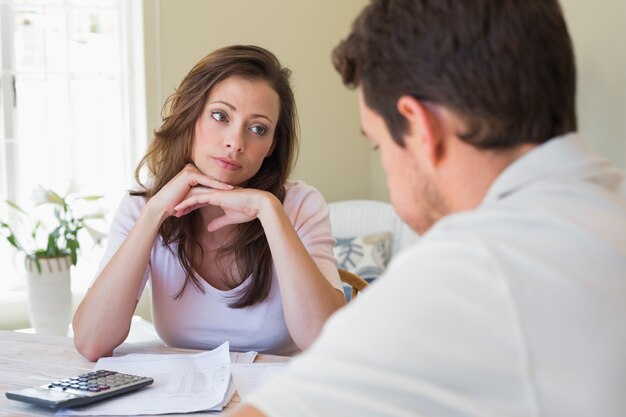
233, 250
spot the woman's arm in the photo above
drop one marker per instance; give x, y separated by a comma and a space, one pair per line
308, 297
102, 320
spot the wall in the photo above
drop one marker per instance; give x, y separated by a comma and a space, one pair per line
333, 155
598, 30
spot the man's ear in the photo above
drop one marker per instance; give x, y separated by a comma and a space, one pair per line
424, 129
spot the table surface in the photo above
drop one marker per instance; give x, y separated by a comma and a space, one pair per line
28, 360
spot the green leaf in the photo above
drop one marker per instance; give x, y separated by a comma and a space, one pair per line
13, 241
72, 244
52, 249
92, 216
73, 247
16, 207
54, 198
11, 237
90, 197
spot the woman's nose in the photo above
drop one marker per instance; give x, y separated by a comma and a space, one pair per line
235, 140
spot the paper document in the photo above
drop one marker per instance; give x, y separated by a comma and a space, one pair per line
235, 357
249, 376
183, 383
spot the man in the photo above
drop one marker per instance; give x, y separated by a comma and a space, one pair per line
513, 302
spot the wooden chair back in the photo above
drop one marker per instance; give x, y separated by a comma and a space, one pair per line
357, 283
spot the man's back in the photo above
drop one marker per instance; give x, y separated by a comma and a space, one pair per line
514, 309
554, 229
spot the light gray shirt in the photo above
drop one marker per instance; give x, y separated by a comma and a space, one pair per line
517, 308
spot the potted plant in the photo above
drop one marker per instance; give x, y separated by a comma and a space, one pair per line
50, 245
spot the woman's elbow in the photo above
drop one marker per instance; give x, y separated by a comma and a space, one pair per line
305, 338
90, 350
93, 346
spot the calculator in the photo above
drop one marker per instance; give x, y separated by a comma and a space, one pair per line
80, 390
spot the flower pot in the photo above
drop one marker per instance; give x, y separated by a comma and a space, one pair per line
49, 295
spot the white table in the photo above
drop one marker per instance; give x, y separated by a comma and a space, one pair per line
28, 360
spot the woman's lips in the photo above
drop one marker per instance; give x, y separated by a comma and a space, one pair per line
226, 163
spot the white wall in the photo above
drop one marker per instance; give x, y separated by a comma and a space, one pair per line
598, 30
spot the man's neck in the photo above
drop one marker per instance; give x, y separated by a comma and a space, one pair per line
469, 173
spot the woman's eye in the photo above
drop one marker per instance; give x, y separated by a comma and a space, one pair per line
259, 130
219, 116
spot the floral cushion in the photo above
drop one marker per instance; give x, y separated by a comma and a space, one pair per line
366, 256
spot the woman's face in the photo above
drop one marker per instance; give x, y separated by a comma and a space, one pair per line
235, 131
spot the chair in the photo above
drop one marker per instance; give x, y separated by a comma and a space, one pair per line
357, 283
360, 217
351, 219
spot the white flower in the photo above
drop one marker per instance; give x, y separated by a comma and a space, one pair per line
41, 195
73, 188
96, 235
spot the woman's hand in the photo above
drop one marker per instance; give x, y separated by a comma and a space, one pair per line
182, 186
240, 205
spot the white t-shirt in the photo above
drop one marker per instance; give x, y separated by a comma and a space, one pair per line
517, 308
204, 320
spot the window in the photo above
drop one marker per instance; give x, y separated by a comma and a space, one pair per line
71, 104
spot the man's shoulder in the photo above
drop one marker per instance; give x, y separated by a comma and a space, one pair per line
514, 243
470, 227
460, 237
478, 243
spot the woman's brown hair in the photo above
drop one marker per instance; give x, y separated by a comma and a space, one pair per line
170, 151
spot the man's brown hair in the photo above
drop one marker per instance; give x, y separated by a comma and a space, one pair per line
505, 66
